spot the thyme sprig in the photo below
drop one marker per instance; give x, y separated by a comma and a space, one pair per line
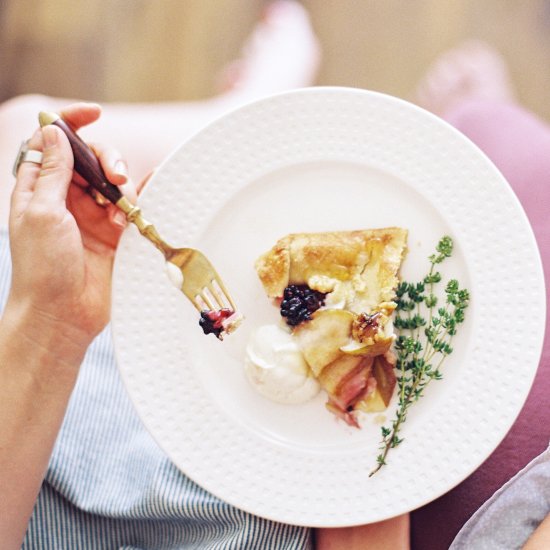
425, 332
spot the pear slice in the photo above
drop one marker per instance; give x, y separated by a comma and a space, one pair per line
384, 374
321, 338
337, 371
372, 403
373, 346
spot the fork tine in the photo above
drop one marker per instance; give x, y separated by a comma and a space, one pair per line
207, 299
201, 284
221, 290
199, 302
217, 295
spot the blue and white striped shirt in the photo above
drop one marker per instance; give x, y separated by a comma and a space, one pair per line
109, 486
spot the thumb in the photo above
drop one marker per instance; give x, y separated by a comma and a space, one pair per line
56, 171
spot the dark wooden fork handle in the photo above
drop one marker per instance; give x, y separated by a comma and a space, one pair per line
85, 162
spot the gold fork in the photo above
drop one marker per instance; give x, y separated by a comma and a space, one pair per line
195, 276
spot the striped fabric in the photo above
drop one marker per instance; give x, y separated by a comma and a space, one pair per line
109, 486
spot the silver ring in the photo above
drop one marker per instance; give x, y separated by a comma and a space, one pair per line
26, 155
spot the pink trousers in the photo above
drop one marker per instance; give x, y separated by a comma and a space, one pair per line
519, 145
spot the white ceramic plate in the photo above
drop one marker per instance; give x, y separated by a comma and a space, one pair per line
324, 159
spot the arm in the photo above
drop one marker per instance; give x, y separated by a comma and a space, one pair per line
540, 539
392, 534
38, 368
62, 248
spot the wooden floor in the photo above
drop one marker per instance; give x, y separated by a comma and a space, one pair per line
134, 50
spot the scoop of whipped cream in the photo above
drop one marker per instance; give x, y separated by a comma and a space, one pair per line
276, 367
174, 274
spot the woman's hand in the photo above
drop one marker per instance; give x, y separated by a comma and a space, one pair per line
62, 246
62, 242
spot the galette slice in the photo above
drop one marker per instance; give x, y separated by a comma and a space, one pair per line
335, 291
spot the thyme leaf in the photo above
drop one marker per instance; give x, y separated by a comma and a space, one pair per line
425, 330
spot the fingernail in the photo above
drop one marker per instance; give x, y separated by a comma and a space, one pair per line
49, 135
121, 169
120, 218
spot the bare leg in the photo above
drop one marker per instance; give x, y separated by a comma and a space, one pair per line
470, 88
471, 71
392, 534
282, 53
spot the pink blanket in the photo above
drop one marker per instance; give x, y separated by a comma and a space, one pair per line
519, 145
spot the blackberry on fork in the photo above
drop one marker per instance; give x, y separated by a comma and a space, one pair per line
211, 321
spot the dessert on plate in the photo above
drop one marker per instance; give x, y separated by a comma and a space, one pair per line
335, 292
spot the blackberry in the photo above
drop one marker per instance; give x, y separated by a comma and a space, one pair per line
211, 321
299, 302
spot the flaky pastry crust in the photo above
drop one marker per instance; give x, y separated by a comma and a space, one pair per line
369, 259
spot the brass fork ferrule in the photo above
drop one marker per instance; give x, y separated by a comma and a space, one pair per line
146, 228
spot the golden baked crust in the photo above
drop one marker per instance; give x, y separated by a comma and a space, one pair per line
367, 259
273, 267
